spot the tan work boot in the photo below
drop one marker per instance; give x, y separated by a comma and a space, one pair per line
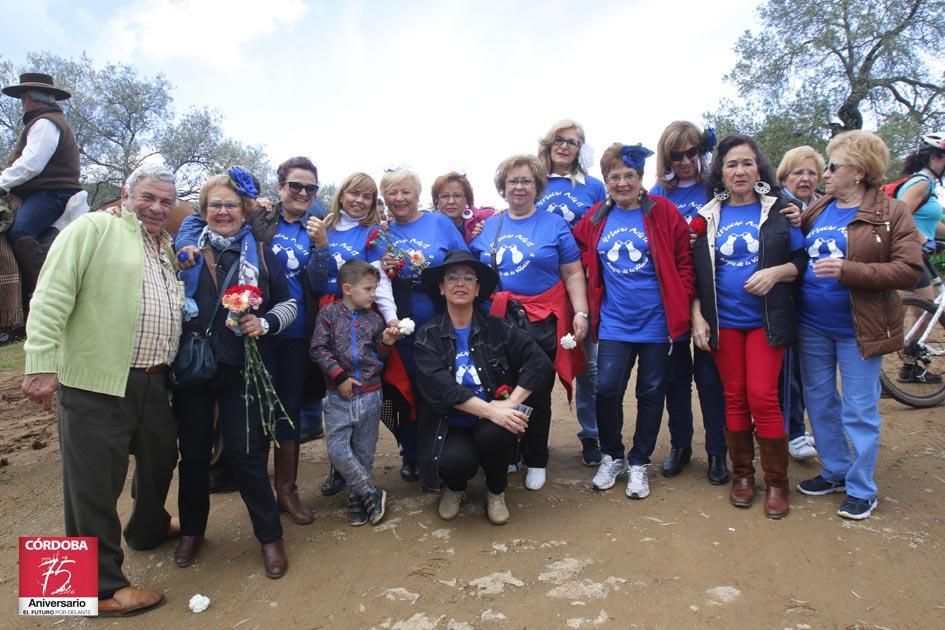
495, 508
449, 504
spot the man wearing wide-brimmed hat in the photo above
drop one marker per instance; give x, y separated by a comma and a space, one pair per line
43, 171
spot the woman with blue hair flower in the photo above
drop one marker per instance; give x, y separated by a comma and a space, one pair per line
635, 247
682, 159
230, 255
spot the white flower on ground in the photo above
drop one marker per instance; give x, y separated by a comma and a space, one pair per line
568, 342
199, 603
406, 326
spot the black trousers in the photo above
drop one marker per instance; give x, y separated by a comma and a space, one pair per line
246, 453
465, 450
97, 432
535, 441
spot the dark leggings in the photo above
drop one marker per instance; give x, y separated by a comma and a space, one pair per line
465, 450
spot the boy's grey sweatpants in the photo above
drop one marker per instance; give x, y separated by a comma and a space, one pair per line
351, 426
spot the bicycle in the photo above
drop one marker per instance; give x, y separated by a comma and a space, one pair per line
914, 374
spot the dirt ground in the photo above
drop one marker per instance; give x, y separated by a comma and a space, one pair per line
569, 558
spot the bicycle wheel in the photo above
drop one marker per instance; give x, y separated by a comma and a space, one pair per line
915, 375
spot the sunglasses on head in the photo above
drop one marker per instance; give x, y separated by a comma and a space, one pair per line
298, 187
677, 156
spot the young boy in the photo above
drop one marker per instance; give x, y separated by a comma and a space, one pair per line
350, 345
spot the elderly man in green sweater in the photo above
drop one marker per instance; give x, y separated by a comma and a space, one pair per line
104, 325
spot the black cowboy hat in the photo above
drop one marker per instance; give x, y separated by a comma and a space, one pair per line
36, 81
431, 277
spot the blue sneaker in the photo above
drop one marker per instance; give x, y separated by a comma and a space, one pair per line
857, 509
818, 486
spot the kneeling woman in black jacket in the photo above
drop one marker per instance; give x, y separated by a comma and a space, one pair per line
473, 370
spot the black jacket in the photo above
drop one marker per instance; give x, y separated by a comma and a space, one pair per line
502, 354
774, 249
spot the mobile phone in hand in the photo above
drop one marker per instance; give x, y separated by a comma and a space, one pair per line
525, 409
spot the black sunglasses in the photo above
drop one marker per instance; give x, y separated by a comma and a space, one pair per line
677, 156
297, 187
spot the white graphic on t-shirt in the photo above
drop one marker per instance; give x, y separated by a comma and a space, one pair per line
339, 259
519, 258
291, 263
728, 247
563, 208
517, 255
629, 240
832, 250
470, 369
738, 239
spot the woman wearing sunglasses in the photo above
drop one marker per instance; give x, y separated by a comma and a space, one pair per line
682, 157
861, 246
570, 193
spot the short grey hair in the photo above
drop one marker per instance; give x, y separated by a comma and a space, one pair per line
41, 97
157, 172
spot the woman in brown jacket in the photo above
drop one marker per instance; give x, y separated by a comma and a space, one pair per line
862, 246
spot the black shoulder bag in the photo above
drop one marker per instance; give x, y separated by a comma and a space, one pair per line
195, 363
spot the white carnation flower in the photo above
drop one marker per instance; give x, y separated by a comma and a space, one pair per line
406, 326
568, 342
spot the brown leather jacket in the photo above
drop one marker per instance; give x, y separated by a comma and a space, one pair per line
883, 256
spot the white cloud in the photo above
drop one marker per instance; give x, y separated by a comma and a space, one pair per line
210, 31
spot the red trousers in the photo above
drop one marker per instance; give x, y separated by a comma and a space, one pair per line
749, 369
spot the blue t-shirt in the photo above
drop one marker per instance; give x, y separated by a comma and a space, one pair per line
688, 200
467, 376
292, 247
433, 235
570, 200
824, 302
632, 310
928, 215
529, 251
345, 245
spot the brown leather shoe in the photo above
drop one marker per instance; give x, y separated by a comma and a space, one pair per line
187, 550
274, 560
129, 601
743, 492
776, 502
287, 494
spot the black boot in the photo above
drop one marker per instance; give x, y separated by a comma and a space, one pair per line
677, 460
718, 470
30, 256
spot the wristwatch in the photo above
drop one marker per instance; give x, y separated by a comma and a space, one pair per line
581, 314
265, 325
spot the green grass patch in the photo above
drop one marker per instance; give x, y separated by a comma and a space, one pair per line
11, 357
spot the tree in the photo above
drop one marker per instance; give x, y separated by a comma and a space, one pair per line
814, 69
122, 119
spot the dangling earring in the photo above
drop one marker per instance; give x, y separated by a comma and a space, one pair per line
640, 195
721, 194
762, 187
856, 181
467, 213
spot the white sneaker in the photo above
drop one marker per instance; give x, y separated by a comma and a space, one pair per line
802, 447
535, 478
608, 472
638, 486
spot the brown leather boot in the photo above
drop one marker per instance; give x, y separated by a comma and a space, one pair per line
274, 559
287, 494
774, 461
30, 256
741, 449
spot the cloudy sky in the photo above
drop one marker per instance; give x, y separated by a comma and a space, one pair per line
363, 85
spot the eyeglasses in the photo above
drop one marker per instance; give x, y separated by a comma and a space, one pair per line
833, 167
559, 141
523, 182
803, 172
454, 277
219, 205
447, 196
626, 177
677, 156
298, 187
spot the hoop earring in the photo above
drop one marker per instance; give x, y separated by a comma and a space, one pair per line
762, 187
721, 194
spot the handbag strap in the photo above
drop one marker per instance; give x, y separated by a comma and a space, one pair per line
208, 256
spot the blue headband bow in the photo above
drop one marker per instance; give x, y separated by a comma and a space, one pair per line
635, 156
243, 182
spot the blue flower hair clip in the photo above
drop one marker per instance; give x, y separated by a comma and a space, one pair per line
708, 140
243, 181
635, 156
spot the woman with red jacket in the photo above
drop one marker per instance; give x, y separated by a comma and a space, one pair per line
636, 251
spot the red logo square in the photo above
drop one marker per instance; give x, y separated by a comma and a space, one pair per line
58, 575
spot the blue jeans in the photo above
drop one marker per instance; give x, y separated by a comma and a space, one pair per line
615, 361
845, 426
683, 366
351, 436
39, 211
585, 393
791, 393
